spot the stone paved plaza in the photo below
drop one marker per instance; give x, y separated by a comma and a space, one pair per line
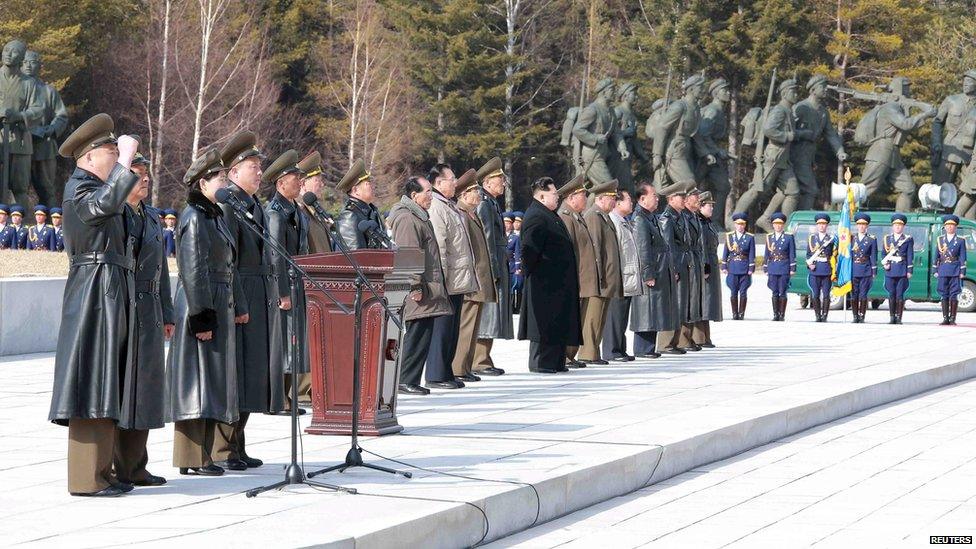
535, 448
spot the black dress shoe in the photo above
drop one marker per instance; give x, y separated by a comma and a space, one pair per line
451, 384
231, 465
212, 470
467, 377
252, 463
412, 389
125, 486
597, 362
624, 358
150, 480
651, 355
545, 371
491, 371
575, 364
693, 349
673, 351
108, 492
707, 345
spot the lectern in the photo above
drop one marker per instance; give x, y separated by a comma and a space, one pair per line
331, 339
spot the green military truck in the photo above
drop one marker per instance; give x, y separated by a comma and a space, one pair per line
924, 228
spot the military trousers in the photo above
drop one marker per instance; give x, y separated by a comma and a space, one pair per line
470, 315
482, 355
20, 173
860, 286
131, 455
91, 443
949, 287
304, 388
42, 177
572, 350
193, 441
593, 322
666, 339
896, 287
702, 333
229, 440
615, 330
738, 284
819, 287
778, 284
880, 176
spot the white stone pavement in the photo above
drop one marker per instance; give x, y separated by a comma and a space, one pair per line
890, 476
579, 438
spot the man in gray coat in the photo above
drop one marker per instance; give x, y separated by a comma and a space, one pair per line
614, 346
496, 318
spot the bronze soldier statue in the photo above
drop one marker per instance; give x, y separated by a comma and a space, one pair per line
622, 168
713, 131
775, 171
883, 163
597, 130
674, 142
568, 141
45, 134
812, 124
953, 136
20, 110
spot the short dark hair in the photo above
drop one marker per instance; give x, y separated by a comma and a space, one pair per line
412, 185
437, 171
542, 184
622, 192
644, 188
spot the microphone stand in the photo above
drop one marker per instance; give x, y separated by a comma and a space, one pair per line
293, 473
354, 457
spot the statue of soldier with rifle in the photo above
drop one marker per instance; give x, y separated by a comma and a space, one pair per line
598, 133
622, 167
674, 144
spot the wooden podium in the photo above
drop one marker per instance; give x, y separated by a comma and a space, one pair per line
331, 336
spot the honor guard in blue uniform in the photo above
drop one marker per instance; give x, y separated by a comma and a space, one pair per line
899, 251
864, 258
779, 264
8, 232
821, 248
19, 239
515, 261
40, 236
738, 264
169, 232
950, 268
58, 230
508, 218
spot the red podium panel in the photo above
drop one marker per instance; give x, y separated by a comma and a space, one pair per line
331, 336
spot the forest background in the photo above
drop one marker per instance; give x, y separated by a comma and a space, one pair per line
406, 83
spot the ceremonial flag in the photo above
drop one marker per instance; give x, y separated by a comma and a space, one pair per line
841, 263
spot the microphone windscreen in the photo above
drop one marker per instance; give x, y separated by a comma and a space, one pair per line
222, 195
309, 198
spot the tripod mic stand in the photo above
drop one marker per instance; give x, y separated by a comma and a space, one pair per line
293, 473
354, 457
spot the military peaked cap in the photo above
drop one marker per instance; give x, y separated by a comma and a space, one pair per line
815, 81
787, 84
491, 168
207, 163
899, 218
706, 198
357, 173
96, 131
573, 185
283, 165
607, 187
862, 218
242, 145
717, 83
311, 165
739, 217
692, 81
778, 217
950, 219
467, 181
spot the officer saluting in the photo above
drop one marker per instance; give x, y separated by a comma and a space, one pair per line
950, 268
897, 262
41, 235
864, 255
738, 264
779, 264
821, 247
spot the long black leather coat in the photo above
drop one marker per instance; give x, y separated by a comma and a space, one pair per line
697, 286
288, 225
348, 221
154, 308
94, 347
496, 318
550, 304
712, 294
202, 375
656, 309
675, 232
261, 354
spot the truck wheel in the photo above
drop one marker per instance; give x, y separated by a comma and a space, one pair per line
876, 304
804, 301
967, 297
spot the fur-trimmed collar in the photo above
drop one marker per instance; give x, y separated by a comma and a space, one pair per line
197, 199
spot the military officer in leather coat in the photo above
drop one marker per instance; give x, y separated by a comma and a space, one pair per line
675, 232
154, 324
288, 225
202, 364
712, 284
656, 308
359, 207
95, 350
496, 318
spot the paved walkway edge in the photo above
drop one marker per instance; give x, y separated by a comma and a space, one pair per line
511, 511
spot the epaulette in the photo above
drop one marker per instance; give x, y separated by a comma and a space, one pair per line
750, 234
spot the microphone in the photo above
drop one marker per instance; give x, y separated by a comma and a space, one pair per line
312, 201
225, 196
371, 228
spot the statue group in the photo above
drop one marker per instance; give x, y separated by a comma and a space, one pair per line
32, 118
689, 142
